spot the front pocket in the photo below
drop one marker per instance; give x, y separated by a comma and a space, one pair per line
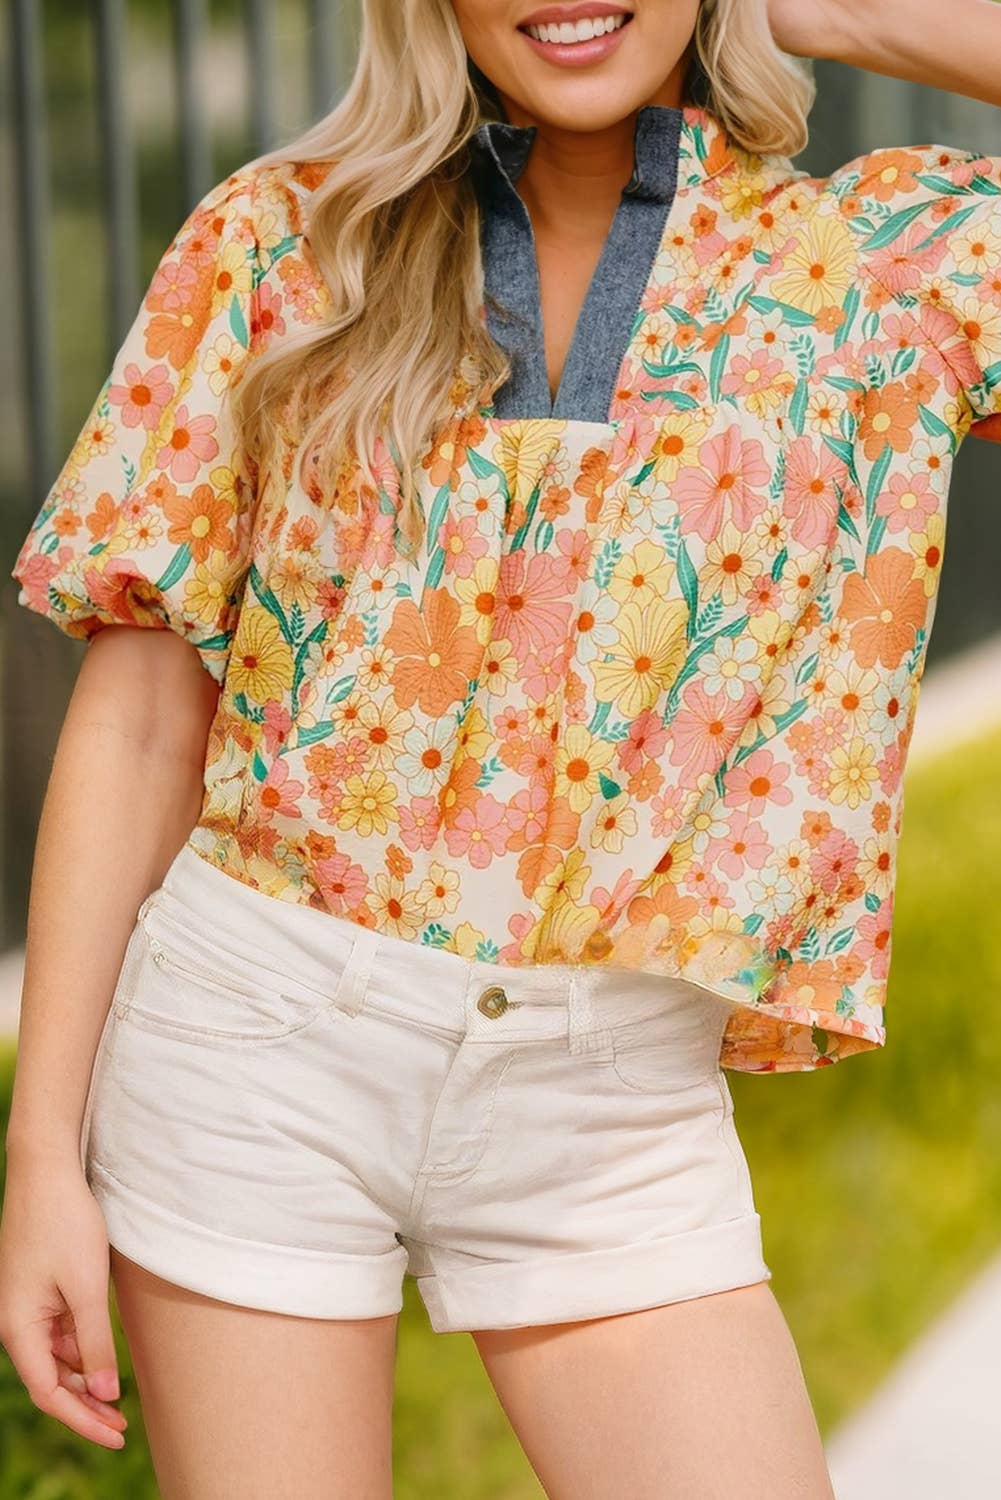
671, 1051
186, 989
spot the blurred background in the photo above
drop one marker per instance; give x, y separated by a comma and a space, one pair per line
878, 1181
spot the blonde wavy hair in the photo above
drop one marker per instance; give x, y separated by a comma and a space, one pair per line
394, 229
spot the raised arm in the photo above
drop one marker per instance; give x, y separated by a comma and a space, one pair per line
955, 47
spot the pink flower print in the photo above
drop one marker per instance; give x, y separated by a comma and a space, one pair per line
834, 860
746, 847
143, 396
478, 832
814, 477
342, 885
276, 725
277, 794
527, 816
703, 730
611, 903
419, 823
574, 549
907, 502
902, 267
267, 320
750, 375
646, 740
757, 781
730, 468
950, 356
873, 939
532, 609
668, 811
190, 446
462, 543
36, 571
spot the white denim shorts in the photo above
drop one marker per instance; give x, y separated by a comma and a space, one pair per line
288, 1111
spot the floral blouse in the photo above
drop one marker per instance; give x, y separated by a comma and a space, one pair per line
644, 697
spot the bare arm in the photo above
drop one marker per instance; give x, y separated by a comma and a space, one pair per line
957, 48
123, 794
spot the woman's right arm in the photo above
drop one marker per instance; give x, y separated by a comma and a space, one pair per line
124, 792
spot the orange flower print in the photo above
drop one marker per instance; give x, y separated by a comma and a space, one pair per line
435, 656
885, 606
201, 519
889, 415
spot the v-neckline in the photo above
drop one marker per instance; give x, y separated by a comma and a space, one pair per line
512, 287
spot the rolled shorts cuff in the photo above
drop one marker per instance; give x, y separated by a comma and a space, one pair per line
597, 1283
275, 1278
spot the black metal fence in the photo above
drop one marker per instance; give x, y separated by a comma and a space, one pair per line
122, 114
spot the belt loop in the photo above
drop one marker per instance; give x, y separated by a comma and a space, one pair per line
584, 1033
353, 984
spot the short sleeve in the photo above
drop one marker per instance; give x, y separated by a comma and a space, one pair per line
928, 225
148, 523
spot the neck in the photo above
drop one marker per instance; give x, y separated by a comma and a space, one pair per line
573, 179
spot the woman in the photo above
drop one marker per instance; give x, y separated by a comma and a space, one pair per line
552, 479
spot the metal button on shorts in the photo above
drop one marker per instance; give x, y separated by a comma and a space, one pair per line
493, 1001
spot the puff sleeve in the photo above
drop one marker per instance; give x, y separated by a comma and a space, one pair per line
148, 523
928, 222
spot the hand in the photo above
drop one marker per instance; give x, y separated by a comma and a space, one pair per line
54, 1317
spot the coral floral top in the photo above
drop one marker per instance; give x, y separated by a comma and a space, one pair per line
644, 697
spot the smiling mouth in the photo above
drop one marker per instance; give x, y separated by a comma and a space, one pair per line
572, 33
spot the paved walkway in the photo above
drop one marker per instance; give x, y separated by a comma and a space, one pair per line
932, 1429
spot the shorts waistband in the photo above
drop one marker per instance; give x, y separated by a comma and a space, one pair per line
436, 987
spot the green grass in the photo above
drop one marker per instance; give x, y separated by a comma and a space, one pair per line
878, 1182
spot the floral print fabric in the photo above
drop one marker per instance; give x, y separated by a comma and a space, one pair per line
644, 698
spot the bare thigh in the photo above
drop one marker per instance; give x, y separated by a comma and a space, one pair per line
247, 1405
700, 1398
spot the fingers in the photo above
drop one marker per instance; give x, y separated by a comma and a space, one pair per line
39, 1372
72, 1379
95, 1341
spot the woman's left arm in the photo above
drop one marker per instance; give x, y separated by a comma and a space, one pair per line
954, 45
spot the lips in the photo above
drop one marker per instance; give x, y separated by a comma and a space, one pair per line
584, 10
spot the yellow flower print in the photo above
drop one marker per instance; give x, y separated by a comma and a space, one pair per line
222, 358
731, 566
396, 910
382, 725
741, 193
439, 892
642, 575
853, 774
368, 804
295, 579
981, 323
261, 665
977, 250
645, 658
929, 548
499, 668
465, 940
565, 882
524, 450
819, 268
473, 736
478, 598
823, 411
206, 591
233, 276
677, 445
616, 822
561, 934
579, 760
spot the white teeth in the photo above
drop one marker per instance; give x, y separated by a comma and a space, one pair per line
568, 32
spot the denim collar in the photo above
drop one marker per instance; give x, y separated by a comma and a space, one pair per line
669, 143
504, 149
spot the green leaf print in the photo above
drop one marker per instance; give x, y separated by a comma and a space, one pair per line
778, 566
795, 316
176, 568
609, 788
877, 475
851, 307
797, 406
846, 523
717, 365
238, 323
259, 768
308, 735
267, 597
598, 718
689, 582
895, 225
